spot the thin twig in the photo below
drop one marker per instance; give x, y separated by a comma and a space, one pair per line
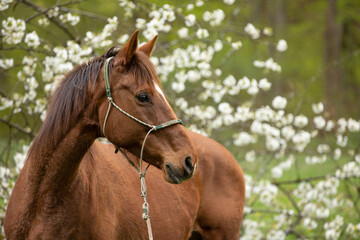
296, 181
17, 127
84, 13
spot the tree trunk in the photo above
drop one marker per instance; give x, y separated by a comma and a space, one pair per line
332, 69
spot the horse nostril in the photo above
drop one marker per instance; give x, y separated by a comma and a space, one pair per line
188, 165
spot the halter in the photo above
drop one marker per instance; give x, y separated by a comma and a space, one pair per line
145, 205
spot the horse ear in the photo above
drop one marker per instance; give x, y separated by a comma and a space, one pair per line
127, 51
148, 47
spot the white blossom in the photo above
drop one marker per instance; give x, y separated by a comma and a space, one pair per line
259, 64
44, 22
202, 33
253, 89
229, 2
190, 20
183, 32
123, 39
341, 140
6, 63
243, 139
20, 157
53, 12
322, 212
276, 235
288, 132
252, 31
342, 125
13, 30
300, 121
69, 18
272, 144
337, 153
225, 108
353, 125
4, 4
268, 31
318, 107
281, 45
214, 18
309, 223
264, 84
178, 86
199, 3
236, 45
218, 45
128, 6
319, 122
329, 125
279, 102
250, 156
229, 81
32, 39
301, 140
277, 172
140, 23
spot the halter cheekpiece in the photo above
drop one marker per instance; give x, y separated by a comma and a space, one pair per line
145, 206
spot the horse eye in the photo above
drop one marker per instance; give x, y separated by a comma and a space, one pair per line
143, 97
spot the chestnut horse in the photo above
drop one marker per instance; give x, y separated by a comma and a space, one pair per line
74, 188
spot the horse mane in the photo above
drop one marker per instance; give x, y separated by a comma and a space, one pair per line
68, 100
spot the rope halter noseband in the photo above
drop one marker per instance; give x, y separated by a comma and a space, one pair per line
145, 206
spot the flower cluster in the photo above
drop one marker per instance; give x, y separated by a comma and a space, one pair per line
32, 39
101, 40
13, 30
214, 18
69, 18
4, 4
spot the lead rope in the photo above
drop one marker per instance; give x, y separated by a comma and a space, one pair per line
145, 206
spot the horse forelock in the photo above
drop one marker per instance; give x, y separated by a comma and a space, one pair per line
143, 70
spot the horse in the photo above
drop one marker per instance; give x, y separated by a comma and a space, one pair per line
52, 197
73, 187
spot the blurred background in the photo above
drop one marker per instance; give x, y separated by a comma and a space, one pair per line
276, 82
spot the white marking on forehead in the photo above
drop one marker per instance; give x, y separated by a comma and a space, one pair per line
159, 90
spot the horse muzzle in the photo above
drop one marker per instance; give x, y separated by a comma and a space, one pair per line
178, 174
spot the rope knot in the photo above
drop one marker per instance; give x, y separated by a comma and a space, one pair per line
109, 99
145, 214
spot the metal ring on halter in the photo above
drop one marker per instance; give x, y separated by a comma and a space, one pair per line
146, 215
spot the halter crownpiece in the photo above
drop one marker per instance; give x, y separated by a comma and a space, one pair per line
145, 215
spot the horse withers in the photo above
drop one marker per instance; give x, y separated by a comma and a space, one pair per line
53, 198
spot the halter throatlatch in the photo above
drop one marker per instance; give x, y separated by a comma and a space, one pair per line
142, 174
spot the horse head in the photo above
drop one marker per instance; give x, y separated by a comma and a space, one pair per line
135, 90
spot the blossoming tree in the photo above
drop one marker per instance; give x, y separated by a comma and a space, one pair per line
300, 169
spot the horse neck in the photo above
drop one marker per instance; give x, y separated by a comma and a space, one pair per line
53, 166
48, 173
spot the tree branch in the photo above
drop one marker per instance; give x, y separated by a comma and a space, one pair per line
17, 127
54, 20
